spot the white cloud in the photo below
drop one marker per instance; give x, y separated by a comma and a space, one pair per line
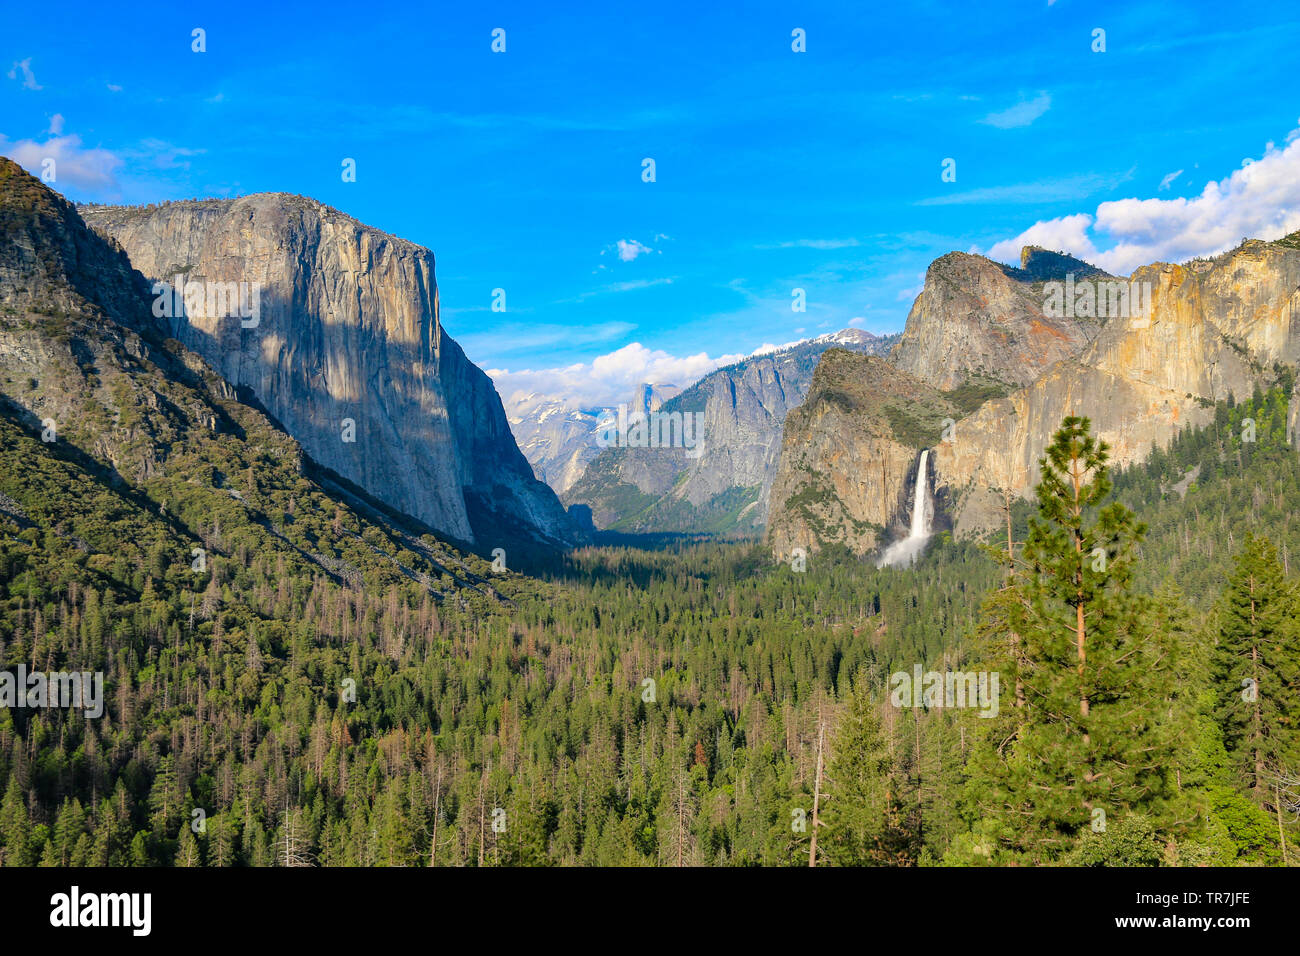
164, 155
1068, 233
629, 249
29, 79
1022, 114
813, 244
608, 379
1045, 190
114, 88
1169, 179
1261, 200
56, 124
91, 169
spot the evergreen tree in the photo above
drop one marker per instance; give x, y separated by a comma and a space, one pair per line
1256, 666
1089, 743
866, 823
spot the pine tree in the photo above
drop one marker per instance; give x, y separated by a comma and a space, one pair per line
866, 824
1090, 742
187, 851
1256, 666
15, 827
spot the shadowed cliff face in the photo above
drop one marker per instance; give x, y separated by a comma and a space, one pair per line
346, 352
109, 424
1215, 328
75, 332
724, 486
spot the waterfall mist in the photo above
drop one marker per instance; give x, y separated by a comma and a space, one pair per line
903, 552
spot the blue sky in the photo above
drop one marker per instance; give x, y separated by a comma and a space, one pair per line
775, 170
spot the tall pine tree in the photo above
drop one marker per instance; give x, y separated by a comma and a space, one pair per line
1256, 667
1093, 662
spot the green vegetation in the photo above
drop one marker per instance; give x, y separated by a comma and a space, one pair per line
974, 392
914, 426
1290, 242
229, 691
1089, 736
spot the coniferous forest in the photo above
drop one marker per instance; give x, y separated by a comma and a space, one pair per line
324, 689
615, 474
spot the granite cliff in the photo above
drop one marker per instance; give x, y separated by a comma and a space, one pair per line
979, 320
1212, 328
848, 461
1216, 328
346, 352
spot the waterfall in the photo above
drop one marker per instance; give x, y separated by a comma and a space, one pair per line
905, 551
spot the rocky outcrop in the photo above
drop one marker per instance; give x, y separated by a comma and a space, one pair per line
979, 320
74, 319
849, 456
723, 487
1214, 328
110, 425
346, 351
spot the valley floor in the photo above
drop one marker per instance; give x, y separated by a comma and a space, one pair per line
631, 706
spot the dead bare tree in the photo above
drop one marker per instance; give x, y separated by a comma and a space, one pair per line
291, 851
817, 793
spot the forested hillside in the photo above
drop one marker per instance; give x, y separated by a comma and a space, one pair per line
655, 707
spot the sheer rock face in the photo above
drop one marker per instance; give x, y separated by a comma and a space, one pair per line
979, 319
347, 330
742, 408
846, 469
1215, 328
743, 415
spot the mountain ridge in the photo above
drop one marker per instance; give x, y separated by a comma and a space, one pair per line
723, 488
1215, 327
